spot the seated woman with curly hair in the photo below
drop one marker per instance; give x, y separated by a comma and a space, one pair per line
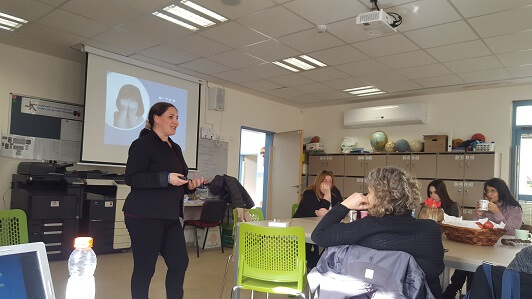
393, 193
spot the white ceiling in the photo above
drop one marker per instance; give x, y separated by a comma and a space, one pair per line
441, 46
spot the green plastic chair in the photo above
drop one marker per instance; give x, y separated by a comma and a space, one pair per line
271, 260
294, 209
13, 227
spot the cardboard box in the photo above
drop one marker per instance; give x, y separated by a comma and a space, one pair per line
435, 143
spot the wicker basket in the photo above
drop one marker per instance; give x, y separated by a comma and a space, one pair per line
473, 236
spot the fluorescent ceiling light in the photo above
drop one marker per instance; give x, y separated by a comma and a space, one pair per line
203, 10
315, 61
6, 16
9, 23
358, 88
285, 66
189, 16
371, 93
7, 28
175, 21
299, 63
364, 91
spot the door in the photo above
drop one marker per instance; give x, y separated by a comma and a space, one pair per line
372, 162
450, 166
354, 165
523, 164
479, 166
316, 164
285, 173
423, 165
399, 161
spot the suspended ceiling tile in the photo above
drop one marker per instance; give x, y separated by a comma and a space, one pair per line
386, 45
474, 64
155, 28
54, 3
396, 86
270, 50
464, 50
486, 75
439, 81
325, 12
291, 80
406, 60
72, 23
286, 22
20, 9
236, 76
333, 95
266, 70
510, 42
473, 8
310, 40
346, 83
125, 39
516, 58
439, 35
424, 13
233, 35
313, 88
205, 66
521, 71
198, 45
103, 11
326, 73
235, 59
305, 99
168, 54
261, 85
108, 47
339, 55
143, 5
424, 71
50, 35
505, 22
362, 67
233, 9
386, 76
284, 92
348, 31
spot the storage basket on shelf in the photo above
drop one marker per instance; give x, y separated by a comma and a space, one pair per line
473, 236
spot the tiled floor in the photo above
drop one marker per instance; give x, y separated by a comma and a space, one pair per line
203, 278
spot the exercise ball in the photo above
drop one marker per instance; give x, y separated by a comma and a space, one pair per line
390, 147
402, 145
378, 140
416, 145
478, 136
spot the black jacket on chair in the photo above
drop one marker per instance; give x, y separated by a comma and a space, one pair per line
230, 188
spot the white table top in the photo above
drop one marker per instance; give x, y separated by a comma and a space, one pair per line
459, 255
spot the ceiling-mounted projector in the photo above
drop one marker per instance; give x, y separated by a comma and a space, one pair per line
376, 22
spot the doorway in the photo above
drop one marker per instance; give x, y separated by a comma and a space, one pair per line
253, 163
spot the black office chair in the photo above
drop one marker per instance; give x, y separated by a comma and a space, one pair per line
212, 215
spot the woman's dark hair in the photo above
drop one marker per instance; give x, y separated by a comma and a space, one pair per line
505, 196
157, 109
441, 190
129, 91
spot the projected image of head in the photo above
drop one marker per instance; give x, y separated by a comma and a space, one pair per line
128, 100
130, 107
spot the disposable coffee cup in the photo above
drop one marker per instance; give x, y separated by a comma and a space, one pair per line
363, 214
522, 234
483, 204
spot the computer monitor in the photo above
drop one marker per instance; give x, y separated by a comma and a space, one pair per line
24, 272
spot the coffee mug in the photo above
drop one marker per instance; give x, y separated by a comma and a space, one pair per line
483, 204
522, 234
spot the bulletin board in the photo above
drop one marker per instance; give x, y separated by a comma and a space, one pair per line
212, 158
43, 129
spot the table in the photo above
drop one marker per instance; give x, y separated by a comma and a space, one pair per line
458, 256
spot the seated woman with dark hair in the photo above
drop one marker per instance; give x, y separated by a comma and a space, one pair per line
438, 192
393, 193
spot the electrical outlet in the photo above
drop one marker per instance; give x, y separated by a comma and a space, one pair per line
206, 133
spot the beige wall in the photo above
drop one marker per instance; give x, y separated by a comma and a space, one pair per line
30, 73
487, 111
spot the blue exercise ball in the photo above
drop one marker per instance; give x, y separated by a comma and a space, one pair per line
402, 145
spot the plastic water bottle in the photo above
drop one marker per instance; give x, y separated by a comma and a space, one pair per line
81, 266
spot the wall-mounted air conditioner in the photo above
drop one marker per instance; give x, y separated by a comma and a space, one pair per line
400, 114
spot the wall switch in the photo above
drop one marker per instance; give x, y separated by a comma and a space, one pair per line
206, 133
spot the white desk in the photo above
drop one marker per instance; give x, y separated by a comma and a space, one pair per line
459, 256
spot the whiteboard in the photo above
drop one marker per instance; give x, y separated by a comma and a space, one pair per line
212, 158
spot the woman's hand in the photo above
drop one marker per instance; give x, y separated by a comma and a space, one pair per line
176, 179
321, 212
356, 201
480, 213
492, 207
195, 182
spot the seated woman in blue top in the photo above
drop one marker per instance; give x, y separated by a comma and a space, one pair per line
393, 193
317, 200
438, 192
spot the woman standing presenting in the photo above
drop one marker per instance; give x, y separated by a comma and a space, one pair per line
156, 172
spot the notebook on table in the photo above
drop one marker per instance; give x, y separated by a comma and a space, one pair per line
25, 273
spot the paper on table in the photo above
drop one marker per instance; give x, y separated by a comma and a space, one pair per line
458, 221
